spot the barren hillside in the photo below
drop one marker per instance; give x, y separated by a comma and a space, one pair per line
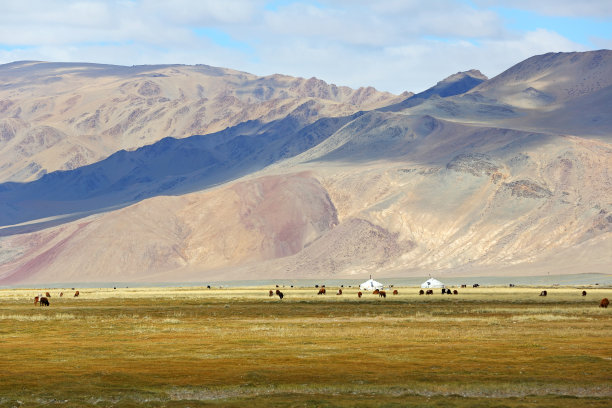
467, 178
61, 116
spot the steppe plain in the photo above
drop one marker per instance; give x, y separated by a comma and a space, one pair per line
236, 346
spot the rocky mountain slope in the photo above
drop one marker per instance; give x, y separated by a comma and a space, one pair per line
170, 166
61, 116
503, 176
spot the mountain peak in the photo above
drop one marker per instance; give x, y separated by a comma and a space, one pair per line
472, 73
561, 76
456, 84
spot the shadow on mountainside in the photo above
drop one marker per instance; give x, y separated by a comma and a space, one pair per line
454, 85
168, 167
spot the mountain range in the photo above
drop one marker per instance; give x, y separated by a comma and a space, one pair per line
176, 173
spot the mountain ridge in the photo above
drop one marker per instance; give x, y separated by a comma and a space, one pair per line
60, 116
473, 180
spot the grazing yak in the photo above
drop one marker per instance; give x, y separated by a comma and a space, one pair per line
61, 294
76, 294
455, 292
44, 301
382, 293
321, 291
421, 292
359, 294
475, 285
443, 291
584, 293
36, 300
270, 293
376, 292
280, 294
339, 292
47, 294
464, 286
604, 303
395, 292
429, 292
543, 293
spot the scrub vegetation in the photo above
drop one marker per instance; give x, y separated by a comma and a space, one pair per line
176, 347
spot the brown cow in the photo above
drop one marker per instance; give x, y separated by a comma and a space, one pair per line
271, 293
543, 293
76, 294
44, 301
604, 303
376, 292
395, 292
382, 294
280, 294
339, 292
584, 293
321, 291
421, 292
359, 294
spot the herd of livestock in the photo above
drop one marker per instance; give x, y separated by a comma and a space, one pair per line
381, 293
44, 300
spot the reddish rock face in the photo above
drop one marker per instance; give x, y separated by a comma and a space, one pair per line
288, 211
257, 220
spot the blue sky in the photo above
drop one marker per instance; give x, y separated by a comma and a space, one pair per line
393, 45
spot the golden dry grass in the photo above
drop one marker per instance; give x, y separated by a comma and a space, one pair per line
229, 347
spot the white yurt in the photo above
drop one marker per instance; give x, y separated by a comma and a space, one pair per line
432, 283
371, 284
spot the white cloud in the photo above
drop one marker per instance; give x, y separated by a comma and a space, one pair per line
50, 14
565, 8
192, 12
376, 24
390, 44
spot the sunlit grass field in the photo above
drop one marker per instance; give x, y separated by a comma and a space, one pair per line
192, 347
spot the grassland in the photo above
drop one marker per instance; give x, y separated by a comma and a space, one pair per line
179, 347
